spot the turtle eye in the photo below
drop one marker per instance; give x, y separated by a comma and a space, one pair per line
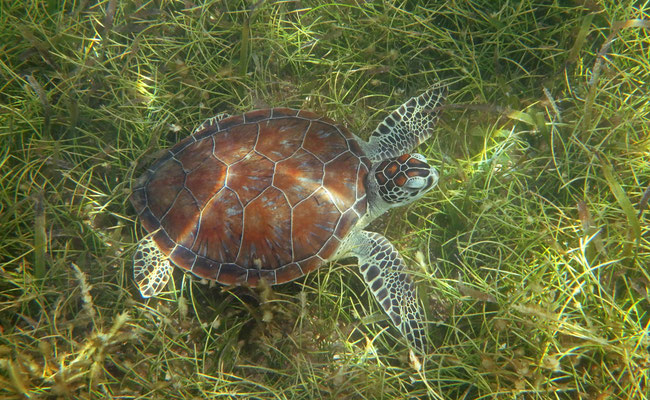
416, 183
422, 183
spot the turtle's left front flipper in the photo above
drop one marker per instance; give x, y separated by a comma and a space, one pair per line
406, 127
384, 273
151, 268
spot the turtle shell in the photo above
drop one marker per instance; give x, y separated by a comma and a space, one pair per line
266, 195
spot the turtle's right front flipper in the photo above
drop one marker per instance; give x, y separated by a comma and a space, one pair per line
384, 273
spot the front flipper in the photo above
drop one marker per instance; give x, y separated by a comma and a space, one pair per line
383, 271
406, 127
151, 268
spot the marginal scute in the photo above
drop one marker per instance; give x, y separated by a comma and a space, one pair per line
139, 197
149, 221
288, 272
255, 276
283, 112
205, 268
230, 274
230, 122
361, 205
309, 115
329, 248
183, 257
182, 145
310, 264
355, 148
164, 242
257, 115
345, 224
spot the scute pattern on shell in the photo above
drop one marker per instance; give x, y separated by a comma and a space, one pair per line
266, 195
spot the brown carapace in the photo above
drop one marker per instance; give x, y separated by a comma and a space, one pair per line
266, 195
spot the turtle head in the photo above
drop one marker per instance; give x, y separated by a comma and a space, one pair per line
399, 181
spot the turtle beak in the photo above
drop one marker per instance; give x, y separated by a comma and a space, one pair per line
432, 179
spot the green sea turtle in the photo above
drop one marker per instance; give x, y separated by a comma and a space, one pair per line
273, 194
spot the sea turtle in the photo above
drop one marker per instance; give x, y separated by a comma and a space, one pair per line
273, 194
